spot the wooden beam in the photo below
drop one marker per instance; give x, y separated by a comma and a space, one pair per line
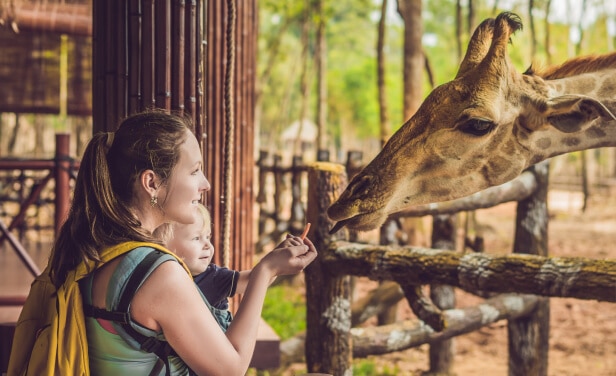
574, 277
71, 19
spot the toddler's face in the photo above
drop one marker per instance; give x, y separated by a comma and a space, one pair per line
192, 244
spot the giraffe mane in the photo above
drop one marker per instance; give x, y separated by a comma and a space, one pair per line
577, 65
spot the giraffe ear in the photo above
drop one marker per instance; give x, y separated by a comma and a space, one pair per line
571, 113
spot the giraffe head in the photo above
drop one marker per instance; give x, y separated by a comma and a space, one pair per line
479, 130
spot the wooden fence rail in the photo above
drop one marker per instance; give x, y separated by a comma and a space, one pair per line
331, 342
573, 277
59, 170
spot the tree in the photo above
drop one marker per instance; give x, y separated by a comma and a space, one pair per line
410, 11
382, 92
321, 66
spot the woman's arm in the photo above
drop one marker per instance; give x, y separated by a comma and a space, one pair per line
169, 300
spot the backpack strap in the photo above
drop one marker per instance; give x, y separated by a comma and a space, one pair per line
149, 344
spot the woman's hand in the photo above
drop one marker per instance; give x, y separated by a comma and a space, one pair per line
291, 256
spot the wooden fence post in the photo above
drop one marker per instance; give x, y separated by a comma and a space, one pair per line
278, 187
328, 300
529, 336
62, 179
261, 198
443, 296
298, 215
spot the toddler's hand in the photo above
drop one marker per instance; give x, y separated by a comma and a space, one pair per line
291, 256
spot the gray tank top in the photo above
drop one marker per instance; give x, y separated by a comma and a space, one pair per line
119, 354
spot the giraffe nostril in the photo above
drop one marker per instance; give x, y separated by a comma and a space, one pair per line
361, 186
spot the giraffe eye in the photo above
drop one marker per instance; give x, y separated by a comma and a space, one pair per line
477, 127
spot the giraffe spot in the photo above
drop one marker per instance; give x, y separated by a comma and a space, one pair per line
537, 158
586, 84
499, 165
543, 143
571, 141
508, 147
596, 132
432, 163
442, 192
608, 85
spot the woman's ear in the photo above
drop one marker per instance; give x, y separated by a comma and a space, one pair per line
149, 181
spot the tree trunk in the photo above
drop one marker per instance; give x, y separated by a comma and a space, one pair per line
459, 30
304, 86
321, 66
533, 32
410, 11
471, 18
380, 64
548, 46
262, 78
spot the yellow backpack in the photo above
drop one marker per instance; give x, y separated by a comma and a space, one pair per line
50, 336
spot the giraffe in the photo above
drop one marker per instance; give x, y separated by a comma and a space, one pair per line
484, 128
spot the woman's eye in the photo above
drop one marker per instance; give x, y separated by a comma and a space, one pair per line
477, 127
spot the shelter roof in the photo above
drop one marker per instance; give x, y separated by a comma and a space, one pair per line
35, 38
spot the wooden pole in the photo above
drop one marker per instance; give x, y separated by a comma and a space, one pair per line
62, 179
162, 54
444, 297
529, 335
328, 298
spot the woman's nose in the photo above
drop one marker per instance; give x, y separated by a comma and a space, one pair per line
205, 184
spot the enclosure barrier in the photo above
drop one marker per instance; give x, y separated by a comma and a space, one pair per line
60, 169
331, 342
274, 181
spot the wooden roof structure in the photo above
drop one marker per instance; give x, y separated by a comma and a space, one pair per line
124, 56
31, 36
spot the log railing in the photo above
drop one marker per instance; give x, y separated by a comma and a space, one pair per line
528, 277
59, 170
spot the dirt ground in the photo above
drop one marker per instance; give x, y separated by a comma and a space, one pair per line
582, 332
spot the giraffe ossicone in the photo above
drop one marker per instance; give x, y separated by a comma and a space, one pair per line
484, 128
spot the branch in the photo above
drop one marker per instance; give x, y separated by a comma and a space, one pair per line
406, 334
514, 190
574, 277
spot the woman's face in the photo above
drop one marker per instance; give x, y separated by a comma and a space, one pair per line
186, 184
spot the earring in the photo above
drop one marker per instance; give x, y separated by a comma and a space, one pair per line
153, 201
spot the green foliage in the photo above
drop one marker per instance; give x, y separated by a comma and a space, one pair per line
367, 367
351, 34
285, 310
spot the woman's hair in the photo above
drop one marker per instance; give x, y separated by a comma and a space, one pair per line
100, 214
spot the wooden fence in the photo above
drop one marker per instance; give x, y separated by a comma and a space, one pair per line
30, 192
524, 279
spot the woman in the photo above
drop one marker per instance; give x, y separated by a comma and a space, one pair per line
147, 173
